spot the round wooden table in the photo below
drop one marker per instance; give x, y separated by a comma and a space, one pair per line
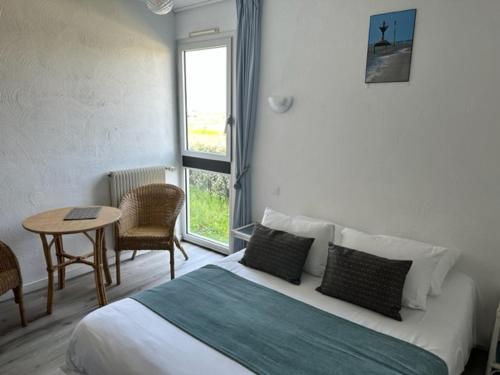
52, 223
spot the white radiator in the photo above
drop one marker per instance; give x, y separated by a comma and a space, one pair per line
121, 182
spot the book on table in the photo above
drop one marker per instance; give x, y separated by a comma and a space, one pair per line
83, 213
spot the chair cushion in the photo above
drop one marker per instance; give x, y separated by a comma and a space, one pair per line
146, 237
147, 231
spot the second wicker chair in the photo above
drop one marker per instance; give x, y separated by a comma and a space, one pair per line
10, 278
148, 221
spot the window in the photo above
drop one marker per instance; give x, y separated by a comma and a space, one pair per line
205, 110
206, 100
208, 205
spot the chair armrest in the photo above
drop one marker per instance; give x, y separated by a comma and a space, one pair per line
127, 220
129, 215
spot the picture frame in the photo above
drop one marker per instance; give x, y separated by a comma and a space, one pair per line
390, 46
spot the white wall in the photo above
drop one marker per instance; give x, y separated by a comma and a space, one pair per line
418, 159
86, 87
221, 15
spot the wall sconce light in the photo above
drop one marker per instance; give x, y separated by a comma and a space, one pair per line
280, 104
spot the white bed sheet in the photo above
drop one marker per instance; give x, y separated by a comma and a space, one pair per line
125, 337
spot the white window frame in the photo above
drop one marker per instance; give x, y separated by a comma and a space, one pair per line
189, 45
194, 46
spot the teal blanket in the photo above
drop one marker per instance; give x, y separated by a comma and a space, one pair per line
270, 333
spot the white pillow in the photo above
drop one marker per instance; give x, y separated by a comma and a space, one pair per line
424, 258
337, 235
276, 220
321, 231
444, 266
448, 259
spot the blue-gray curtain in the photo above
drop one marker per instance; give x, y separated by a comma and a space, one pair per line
247, 90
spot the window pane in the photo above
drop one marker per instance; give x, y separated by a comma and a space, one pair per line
206, 100
208, 205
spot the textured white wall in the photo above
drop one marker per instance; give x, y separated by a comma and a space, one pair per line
86, 86
418, 159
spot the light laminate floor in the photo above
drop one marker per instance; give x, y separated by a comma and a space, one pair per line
40, 348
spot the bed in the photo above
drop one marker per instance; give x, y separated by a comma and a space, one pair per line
126, 337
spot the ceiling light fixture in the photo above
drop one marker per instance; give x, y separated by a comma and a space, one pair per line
160, 6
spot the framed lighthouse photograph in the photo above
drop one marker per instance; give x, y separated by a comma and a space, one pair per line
390, 47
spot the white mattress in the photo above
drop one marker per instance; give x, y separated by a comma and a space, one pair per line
125, 337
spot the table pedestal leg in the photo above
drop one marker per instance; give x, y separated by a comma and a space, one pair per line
105, 264
61, 271
50, 272
172, 262
101, 291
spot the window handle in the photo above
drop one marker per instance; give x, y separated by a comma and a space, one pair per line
229, 123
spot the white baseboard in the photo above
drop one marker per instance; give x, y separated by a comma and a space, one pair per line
42, 283
71, 273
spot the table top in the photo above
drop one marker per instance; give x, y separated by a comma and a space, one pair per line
52, 222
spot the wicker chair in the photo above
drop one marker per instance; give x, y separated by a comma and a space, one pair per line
148, 221
10, 278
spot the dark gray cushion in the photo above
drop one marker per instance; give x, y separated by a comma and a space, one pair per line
366, 280
276, 252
